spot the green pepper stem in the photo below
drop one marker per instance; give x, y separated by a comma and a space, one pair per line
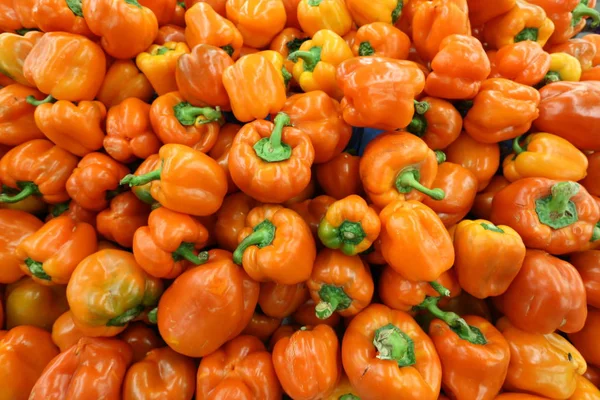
408, 180
75, 7
153, 316
365, 49
418, 125
263, 235
272, 149
37, 269
27, 189
517, 147
35, 102
527, 34
134, 180
186, 251
421, 107
228, 49
187, 115
441, 289
348, 396
311, 58
440, 156
596, 233
59, 209
397, 12
488, 226
126, 317
393, 344
287, 77
314, 3
561, 195
333, 298
582, 11
550, 77
454, 321
134, 3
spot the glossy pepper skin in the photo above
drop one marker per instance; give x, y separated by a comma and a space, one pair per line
481, 12
364, 12
324, 14
66, 66
124, 80
39, 168
141, 338
14, 49
585, 339
164, 10
205, 26
558, 217
124, 216
522, 62
276, 245
546, 156
583, 50
569, 17
94, 367
585, 389
126, 28
158, 64
588, 266
313, 211
172, 33
563, 67
438, 123
24, 352
379, 335
482, 159
186, 181
162, 373
220, 298
294, 356
514, 106
57, 15
280, 301
386, 106
17, 122
13, 235
382, 40
340, 176
592, 180
414, 241
257, 20
545, 365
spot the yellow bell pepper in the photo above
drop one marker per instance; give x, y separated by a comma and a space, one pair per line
158, 65
563, 67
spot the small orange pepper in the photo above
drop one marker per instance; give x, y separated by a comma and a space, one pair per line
436, 121
523, 62
381, 39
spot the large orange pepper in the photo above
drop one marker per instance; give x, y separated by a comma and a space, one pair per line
163, 373
158, 63
381, 39
66, 66
13, 235
172, 33
92, 368
523, 62
370, 95
379, 335
555, 216
231, 219
364, 12
122, 81
398, 166
314, 15
141, 338
583, 50
259, 21
586, 339
588, 266
124, 216
280, 301
220, 152
205, 307
164, 10
488, 257
276, 245
9, 21
24, 352
340, 177
39, 168
436, 121
62, 16
185, 181
295, 356
176, 121
17, 122
569, 17
482, 159
313, 211
205, 26
73, 210
414, 241
126, 28
480, 11
261, 326
546, 365
14, 49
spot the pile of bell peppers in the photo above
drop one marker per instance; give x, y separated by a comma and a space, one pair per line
299, 199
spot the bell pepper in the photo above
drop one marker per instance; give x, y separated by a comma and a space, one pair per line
458, 68
320, 117
38, 168
9, 20
186, 181
280, 301
398, 166
583, 50
371, 98
241, 367
569, 17
231, 219
25, 351
220, 153
339, 177
13, 235
522, 62
382, 40
122, 81
558, 217
481, 11
77, 128
95, 181
482, 159
73, 210
93, 367
205, 26
588, 266
263, 153
17, 122
164, 10
276, 245
525, 21
206, 307
125, 215
172, 33
24, 11
261, 326
294, 358
158, 64
364, 12
378, 335
66, 66
14, 49
313, 211
129, 135
593, 39
61, 16
585, 340
314, 15
414, 241
126, 28
563, 67
258, 21
514, 106
545, 365
162, 372
349, 225
286, 42
141, 338
436, 121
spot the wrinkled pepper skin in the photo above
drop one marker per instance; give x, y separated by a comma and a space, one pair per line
583, 50
257, 20
439, 125
66, 66
240, 369
92, 368
124, 80
158, 64
382, 40
366, 356
325, 14
532, 206
280, 301
57, 15
231, 219
586, 339
205, 26
340, 177
482, 159
588, 266
220, 152
205, 307
13, 235
14, 49
17, 122
545, 365
124, 216
522, 62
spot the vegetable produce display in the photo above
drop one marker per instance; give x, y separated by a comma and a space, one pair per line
299, 199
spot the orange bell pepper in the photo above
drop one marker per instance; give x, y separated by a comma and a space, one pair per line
125, 215
205, 307
141, 338
92, 368
199, 76
586, 339
480, 11
9, 20
378, 335
280, 301
558, 217
381, 39
158, 64
514, 106
545, 365
370, 98
339, 177
271, 161
364, 12
295, 356
313, 211
231, 219
569, 17
73, 210
583, 50
258, 21
25, 351
482, 159
62, 16
172, 33
122, 81
162, 372
24, 13
64, 332
261, 326
164, 10
595, 40
398, 166
186, 181
220, 153
286, 42
14, 49
126, 28
276, 245
241, 368
523, 62
436, 121
205, 26
66, 66
129, 135
588, 266
14, 234
314, 15
17, 122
